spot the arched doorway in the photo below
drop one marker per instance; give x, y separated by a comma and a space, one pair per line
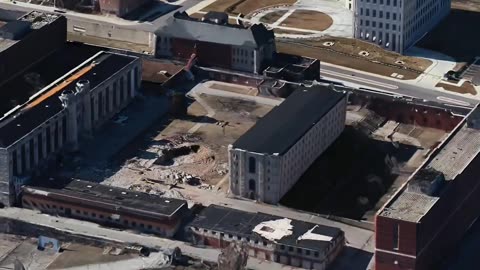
251, 189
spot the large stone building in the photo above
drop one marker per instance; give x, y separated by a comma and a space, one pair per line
272, 238
107, 205
424, 221
48, 107
397, 25
216, 43
268, 159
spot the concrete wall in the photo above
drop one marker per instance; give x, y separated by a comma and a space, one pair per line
111, 32
5, 173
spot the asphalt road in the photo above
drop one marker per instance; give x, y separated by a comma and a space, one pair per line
393, 86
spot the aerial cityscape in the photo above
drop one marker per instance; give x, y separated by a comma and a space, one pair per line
239, 134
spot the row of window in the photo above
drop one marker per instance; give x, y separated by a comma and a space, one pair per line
380, 14
395, 3
379, 25
93, 215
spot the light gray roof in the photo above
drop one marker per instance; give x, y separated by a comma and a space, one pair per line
182, 26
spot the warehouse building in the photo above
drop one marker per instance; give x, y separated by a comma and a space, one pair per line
429, 215
272, 238
32, 36
47, 108
216, 43
268, 159
397, 25
106, 205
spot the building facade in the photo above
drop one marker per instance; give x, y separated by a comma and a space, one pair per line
109, 206
305, 245
216, 44
426, 219
270, 157
54, 119
397, 25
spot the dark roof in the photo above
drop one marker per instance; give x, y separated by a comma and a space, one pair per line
58, 65
182, 26
103, 196
240, 223
285, 124
15, 29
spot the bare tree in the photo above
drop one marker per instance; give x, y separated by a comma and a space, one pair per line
233, 257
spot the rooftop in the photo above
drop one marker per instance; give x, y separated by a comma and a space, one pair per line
98, 195
265, 227
18, 90
285, 124
449, 159
182, 26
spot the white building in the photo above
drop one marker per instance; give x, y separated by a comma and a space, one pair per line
270, 157
397, 25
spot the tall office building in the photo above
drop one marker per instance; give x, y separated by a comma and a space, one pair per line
397, 25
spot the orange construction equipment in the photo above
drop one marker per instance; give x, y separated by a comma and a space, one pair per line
60, 86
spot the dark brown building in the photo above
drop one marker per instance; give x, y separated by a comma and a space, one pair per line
216, 43
428, 216
273, 238
107, 205
121, 7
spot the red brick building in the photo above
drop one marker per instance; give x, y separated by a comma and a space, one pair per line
428, 216
216, 43
278, 239
107, 205
121, 7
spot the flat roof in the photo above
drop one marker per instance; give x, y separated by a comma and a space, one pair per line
450, 159
101, 196
285, 124
35, 78
241, 223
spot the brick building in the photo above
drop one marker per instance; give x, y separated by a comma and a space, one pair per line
268, 159
49, 107
429, 215
216, 43
107, 205
278, 239
121, 7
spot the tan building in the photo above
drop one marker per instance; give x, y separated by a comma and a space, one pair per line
270, 157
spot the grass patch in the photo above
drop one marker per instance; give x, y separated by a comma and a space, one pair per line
244, 6
273, 16
465, 88
308, 19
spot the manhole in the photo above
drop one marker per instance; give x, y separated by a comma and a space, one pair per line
364, 53
328, 43
399, 62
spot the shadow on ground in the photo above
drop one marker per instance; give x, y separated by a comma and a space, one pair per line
352, 259
349, 178
455, 36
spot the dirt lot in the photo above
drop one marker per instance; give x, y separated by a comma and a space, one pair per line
207, 138
339, 56
244, 6
455, 35
273, 16
308, 19
465, 88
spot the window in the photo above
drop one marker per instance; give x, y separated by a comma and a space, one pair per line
134, 223
290, 248
316, 254
299, 250
307, 252
149, 227
251, 165
396, 236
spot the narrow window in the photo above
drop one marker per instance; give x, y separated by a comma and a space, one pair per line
251, 165
396, 236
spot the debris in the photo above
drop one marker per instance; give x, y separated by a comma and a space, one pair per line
233, 257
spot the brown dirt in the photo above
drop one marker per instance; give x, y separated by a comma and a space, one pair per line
344, 60
244, 6
292, 32
308, 19
273, 16
466, 88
